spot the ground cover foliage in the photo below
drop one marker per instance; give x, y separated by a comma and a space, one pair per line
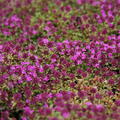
59, 59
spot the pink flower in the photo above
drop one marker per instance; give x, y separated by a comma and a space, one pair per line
28, 78
58, 108
84, 74
110, 13
24, 118
45, 41
79, 2
74, 57
59, 95
83, 56
6, 33
98, 96
1, 58
46, 78
41, 69
25, 63
95, 3
118, 1
17, 96
88, 103
34, 32
81, 94
28, 111
111, 81
1, 46
65, 114
117, 102
53, 60
47, 28
79, 62
100, 108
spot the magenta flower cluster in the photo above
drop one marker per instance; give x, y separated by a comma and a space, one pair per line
60, 60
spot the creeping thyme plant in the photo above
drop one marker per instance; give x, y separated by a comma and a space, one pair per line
59, 59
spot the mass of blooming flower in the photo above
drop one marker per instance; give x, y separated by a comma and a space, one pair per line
59, 59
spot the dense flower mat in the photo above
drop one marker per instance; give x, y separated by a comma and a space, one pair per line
59, 60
